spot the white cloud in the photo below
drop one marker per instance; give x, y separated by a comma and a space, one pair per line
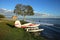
45, 15
5, 10
36, 15
42, 14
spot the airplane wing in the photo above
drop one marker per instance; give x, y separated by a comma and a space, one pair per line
30, 25
33, 25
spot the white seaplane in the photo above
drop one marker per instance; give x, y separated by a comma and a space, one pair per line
30, 27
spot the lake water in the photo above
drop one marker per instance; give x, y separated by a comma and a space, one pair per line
51, 27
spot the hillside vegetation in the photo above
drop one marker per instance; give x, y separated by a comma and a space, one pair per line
9, 32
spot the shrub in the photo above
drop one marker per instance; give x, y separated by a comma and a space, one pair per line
2, 16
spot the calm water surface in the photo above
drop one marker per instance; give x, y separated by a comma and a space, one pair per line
51, 32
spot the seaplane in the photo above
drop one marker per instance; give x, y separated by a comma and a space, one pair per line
30, 27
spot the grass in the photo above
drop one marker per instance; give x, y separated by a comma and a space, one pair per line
9, 32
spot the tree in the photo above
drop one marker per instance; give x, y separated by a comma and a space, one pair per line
23, 10
30, 10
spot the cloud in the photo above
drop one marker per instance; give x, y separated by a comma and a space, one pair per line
3, 9
42, 14
6, 12
45, 15
36, 15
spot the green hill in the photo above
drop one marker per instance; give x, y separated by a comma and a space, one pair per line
9, 32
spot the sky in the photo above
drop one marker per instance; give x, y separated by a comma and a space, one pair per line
49, 7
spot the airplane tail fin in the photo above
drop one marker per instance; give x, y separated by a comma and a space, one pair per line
17, 24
